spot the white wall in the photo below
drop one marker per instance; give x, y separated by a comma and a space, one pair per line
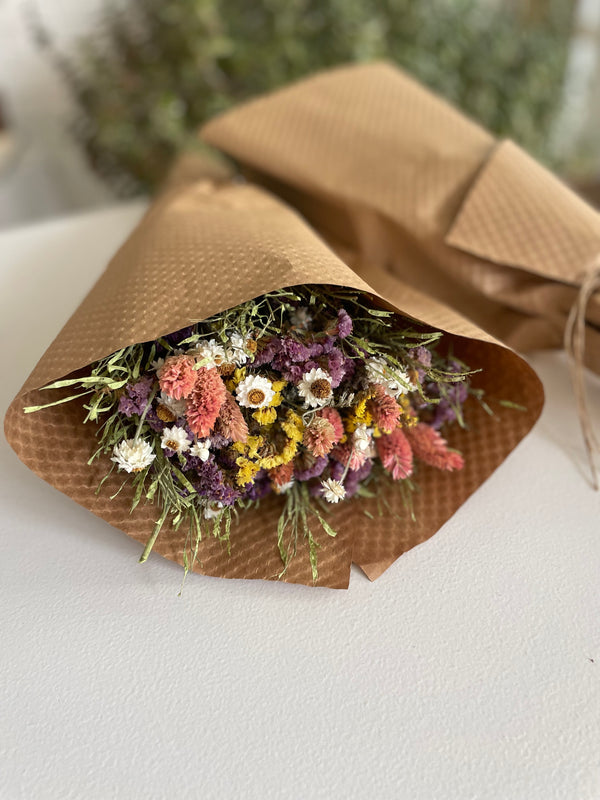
47, 174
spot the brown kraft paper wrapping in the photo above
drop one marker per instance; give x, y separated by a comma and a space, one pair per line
399, 179
205, 246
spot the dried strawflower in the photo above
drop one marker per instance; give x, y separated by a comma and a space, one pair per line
133, 455
332, 490
315, 387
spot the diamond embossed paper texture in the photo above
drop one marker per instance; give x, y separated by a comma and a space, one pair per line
356, 178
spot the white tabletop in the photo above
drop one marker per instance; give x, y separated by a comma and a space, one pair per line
470, 669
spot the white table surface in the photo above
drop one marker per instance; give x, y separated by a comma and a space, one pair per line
470, 669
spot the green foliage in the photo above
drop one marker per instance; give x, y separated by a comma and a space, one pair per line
152, 74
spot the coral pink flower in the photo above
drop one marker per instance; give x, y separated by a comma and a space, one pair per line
345, 451
319, 437
429, 446
282, 474
177, 376
383, 408
333, 416
231, 422
205, 401
395, 454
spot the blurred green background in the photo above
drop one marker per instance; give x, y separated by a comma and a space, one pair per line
154, 70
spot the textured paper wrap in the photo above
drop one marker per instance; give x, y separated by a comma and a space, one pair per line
209, 244
385, 168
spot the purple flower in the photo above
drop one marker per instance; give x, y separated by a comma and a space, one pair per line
154, 421
135, 399
260, 488
210, 483
336, 366
308, 467
268, 352
344, 325
356, 476
421, 354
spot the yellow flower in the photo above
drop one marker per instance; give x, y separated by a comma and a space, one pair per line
287, 454
293, 426
359, 415
247, 471
250, 447
265, 416
279, 386
237, 377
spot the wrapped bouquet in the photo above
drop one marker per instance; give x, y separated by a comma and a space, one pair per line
311, 393
255, 387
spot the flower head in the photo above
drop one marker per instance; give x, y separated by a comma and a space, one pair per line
282, 476
231, 422
315, 387
319, 436
135, 399
205, 401
361, 438
211, 353
213, 510
175, 439
395, 453
344, 324
237, 352
201, 449
332, 490
396, 381
133, 455
255, 391
383, 408
429, 446
177, 376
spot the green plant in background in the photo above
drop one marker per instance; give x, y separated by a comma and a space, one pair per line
159, 68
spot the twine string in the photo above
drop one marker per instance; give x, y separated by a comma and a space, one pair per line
574, 342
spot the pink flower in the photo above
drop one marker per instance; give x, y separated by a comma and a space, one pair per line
231, 422
205, 401
384, 409
345, 451
177, 376
333, 416
395, 453
319, 437
429, 446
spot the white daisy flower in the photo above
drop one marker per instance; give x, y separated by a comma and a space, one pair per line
177, 407
201, 450
378, 372
211, 353
315, 387
301, 318
175, 439
212, 511
255, 392
361, 439
133, 455
333, 491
